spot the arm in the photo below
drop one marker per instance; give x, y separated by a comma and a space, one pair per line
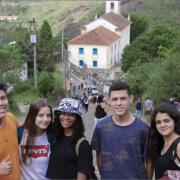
81, 176
149, 169
98, 159
177, 160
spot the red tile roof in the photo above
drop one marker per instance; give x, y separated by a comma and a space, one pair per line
98, 36
119, 21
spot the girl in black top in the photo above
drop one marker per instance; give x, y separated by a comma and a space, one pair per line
164, 140
64, 161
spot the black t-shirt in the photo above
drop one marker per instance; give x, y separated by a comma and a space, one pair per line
100, 113
138, 106
165, 162
64, 163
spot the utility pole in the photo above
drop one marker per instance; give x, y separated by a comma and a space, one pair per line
33, 42
64, 58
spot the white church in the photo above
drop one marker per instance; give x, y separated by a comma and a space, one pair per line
101, 42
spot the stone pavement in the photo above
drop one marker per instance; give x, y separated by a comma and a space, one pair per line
89, 123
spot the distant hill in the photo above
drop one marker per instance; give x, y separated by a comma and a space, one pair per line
79, 12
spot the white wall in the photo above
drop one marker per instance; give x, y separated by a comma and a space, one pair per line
88, 57
125, 38
115, 51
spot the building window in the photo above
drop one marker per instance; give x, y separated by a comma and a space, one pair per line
94, 63
81, 50
95, 51
81, 63
112, 6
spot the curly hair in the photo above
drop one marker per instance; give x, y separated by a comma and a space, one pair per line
78, 128
156, 140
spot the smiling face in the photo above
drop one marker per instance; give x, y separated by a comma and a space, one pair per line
43, 118
120, 102
3, 104
67, 120
164, 124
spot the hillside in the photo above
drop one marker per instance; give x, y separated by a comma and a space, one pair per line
79, 12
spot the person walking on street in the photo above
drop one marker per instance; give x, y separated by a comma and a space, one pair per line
85, 102
100, 109
34, 138
164, 142
148, 106
120, 140
138, 108
9, 159
71, 155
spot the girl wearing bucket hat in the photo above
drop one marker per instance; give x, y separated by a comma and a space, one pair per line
66, 160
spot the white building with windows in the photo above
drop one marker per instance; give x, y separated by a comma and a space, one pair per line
102, 41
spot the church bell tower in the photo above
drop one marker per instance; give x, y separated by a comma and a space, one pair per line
113, 6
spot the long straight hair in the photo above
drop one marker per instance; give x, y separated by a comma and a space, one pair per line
30, 125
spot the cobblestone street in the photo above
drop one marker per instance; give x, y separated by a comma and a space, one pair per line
89, 124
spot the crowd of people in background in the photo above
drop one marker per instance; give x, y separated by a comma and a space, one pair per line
52, 145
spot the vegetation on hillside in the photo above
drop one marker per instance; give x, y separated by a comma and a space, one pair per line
151, 62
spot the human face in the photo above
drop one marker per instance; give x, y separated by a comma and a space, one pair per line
164, 124
3, 104
67, 120
43, 118
120, 102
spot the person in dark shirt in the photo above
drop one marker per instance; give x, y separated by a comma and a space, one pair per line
100, 109
120, 139
164, 141
64, 161
138, 108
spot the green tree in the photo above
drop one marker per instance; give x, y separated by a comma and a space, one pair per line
164, 80
45, 83
11, 62
137, 76
139, 25
45, 48
150, 46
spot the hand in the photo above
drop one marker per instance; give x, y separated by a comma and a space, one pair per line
6, 166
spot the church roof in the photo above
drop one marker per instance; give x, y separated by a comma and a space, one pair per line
117, 20
98, 36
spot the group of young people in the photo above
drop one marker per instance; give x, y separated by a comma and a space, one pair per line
56, 148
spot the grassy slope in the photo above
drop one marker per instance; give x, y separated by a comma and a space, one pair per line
155, 10
52, 11
161, 11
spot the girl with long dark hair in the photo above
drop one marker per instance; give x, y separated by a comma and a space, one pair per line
67, 162
34, 141
164, 140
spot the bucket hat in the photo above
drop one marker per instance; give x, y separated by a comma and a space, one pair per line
68, 105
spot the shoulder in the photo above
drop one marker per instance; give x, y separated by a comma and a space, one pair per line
11, 118
141, 123
106, 120
84, 146
178, 148
84, 143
